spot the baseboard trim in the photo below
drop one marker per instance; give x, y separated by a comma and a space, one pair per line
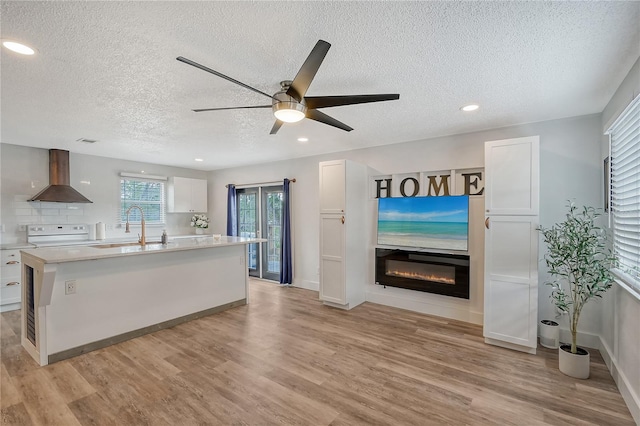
626, 390
309, 285
511, 346
99, 344
10, 307
588, 340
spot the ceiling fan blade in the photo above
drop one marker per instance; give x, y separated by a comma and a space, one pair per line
314, 114
202, 67
222, 109
276, 127
314, 102
308, 70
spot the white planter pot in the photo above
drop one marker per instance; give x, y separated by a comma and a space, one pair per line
549, 334
199, 231
574, 365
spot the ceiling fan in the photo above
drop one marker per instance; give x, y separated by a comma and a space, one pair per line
290, 103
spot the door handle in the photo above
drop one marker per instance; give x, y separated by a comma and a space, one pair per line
12, 262
342, 220
12, 283
486, 223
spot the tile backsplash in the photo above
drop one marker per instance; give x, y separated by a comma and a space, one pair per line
28, 212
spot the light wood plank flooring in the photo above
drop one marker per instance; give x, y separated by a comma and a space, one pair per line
287, 359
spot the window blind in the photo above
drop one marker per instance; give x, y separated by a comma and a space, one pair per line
149, 195
624, 135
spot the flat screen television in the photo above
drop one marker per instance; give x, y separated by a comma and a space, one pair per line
425, 222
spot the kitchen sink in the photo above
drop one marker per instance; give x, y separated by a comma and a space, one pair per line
115, 245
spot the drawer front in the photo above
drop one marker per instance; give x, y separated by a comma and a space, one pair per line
11, 270
11, 291
10, 256
9, 279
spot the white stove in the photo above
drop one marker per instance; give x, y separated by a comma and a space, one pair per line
58, 235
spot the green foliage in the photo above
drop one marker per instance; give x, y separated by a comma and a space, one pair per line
580, 260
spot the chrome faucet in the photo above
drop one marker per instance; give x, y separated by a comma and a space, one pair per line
142, 239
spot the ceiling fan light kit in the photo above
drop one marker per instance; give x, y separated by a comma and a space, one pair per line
286, 108
289, 105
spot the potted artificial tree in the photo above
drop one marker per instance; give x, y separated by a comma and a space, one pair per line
580, 260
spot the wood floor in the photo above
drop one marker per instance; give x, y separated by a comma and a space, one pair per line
286, 359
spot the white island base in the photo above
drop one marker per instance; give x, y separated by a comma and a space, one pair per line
121, 293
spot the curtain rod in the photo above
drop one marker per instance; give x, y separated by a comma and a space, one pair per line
262, 183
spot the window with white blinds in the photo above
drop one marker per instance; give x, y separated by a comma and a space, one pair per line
625, 193
149, 195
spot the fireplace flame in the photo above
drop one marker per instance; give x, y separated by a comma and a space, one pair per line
420, 276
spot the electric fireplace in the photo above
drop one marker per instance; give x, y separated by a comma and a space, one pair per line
446, 274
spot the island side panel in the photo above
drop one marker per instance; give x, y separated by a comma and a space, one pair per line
118, 295
40, 283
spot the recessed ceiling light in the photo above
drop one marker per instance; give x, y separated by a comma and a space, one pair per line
199, 159
471, 107
303, 139
18, 47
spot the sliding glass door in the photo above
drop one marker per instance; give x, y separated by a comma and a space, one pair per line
247, 209
260, 215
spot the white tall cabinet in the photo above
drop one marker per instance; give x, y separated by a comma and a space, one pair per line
512, 190
344, 233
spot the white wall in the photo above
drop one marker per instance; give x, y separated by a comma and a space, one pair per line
620, 344
25, 171
571, 169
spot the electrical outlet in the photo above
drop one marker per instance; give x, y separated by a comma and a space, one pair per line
70, 287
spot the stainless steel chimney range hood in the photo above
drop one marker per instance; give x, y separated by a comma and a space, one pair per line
59, 189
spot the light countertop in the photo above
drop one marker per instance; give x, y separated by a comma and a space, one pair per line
16, 246
93, 252
25, 245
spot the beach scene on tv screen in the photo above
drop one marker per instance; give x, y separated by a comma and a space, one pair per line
425, 222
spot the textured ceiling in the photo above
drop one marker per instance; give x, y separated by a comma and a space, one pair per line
107, 71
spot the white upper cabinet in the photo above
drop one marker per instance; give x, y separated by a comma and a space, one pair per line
332, 186
186, 195
512, 176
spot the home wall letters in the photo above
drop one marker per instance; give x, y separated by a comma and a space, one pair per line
449, 182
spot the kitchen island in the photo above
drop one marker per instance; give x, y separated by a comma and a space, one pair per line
78, 299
